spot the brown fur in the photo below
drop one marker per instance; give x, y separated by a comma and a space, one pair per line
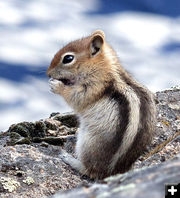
97, 76
94, 74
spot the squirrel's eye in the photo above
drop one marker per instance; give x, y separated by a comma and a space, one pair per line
68, 59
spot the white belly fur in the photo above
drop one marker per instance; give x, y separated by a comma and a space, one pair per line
99, 121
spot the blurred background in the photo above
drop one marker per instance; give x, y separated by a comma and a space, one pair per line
145, 34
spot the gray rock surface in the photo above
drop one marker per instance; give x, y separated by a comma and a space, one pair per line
34, 171
143, 183
30, 165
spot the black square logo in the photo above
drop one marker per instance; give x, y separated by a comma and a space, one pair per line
172, 190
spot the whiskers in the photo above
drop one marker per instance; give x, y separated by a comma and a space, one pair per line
42, 72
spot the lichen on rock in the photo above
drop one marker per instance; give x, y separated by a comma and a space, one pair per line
28, 180
50, 130
9, 184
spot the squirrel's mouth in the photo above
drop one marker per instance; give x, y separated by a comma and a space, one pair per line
67, 81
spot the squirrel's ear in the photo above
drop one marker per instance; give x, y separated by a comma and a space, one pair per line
97, 42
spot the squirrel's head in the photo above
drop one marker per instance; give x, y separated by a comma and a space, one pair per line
79, 60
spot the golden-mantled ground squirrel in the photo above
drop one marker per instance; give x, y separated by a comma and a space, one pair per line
116, 113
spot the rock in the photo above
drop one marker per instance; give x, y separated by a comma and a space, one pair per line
143, 183
30, 165
34, 171
37, 167
67, 119
49, 130
166, 143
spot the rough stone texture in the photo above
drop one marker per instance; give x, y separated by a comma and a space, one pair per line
30, 165
166, 143
142, 183
37, 170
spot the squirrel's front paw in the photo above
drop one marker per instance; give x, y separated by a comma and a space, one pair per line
55, 85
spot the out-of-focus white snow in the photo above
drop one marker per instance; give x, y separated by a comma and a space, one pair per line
32, 31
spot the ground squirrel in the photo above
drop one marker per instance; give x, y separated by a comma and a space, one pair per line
116, 113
